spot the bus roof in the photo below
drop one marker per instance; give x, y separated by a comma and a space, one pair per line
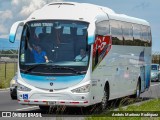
80, 11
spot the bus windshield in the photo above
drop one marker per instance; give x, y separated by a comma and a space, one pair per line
49, 43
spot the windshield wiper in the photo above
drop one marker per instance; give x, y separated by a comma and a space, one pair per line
32, 67
68, 68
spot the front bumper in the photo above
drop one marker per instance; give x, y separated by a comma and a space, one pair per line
54, 103
54, 99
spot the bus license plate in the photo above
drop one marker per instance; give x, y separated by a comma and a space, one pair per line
51, 103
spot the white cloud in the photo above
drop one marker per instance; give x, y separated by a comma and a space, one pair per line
17, 10
28, 6
15, 2
5, 15
32, 6
3, 29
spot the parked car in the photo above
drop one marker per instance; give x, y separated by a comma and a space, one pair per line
155, 72
13, 87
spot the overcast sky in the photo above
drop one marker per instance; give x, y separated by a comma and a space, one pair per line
14, 10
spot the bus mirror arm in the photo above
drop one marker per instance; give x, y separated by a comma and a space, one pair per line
13, 30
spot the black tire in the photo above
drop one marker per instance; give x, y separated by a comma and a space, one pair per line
13, 97
104, 103
44, 107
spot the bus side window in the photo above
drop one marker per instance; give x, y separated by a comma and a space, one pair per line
144, 35
147, 36
137, 35
127, 33
116, 32
102, 28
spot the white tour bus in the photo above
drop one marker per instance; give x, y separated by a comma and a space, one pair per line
79, 54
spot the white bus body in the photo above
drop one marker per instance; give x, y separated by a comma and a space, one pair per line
118, 48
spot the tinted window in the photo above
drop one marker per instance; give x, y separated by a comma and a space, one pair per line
127, 33
102, 28
130, 34
146, 38
137, 35
116, 31
141, 35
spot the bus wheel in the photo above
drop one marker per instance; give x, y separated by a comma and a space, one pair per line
13, 97
44, 107
104, 99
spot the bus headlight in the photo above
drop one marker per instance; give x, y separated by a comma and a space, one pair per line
82, 89
23, 88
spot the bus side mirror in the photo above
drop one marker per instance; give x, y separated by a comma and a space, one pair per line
13, 30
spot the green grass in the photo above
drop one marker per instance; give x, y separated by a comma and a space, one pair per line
153, 105
10, 72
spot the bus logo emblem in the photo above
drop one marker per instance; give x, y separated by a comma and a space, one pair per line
51, 84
